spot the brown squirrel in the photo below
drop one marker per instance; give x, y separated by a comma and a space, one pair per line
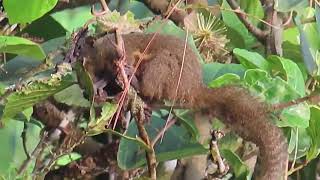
157, 78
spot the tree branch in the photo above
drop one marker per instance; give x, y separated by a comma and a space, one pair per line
257, 32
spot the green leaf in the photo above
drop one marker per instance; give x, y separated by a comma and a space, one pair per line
224, 80
139, 10
97, 126
301, 141
12, 153
25, 12
254, 10
72, 19
72, 96
231, 142
251, 60
317, 15
85, 82
240, 169
295, 116
67, 158
27, 113
30, 95
290, 5
185, 117
21, 46
314, 132
176, 144
50, 29
309, 41
290, 71
276, 90
232, 21
213, 70
273, 90
9, 138
2, 88
291, 35
20, 65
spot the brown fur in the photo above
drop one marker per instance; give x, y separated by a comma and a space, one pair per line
158, 77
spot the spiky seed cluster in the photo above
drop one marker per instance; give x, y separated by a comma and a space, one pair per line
210, 38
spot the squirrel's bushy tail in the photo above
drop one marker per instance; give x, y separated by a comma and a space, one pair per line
249, 118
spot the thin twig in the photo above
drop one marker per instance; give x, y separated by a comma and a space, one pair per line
289, 19
312, 99
291, 171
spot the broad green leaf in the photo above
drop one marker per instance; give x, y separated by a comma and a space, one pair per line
72, 19
295, 116
231, 142
290, 71
240, 169
317, 15
291, 35
12, 153
290, 5
176, 144
309, 41
236, 40
22, 12
97, 126
301, 140
139, 10
2, 88
273, 90
186, 119
224, 80
251, 60
30, 95
9, 138
232, 21
309, 55
254, 10
276, 90
67, 158
314, 132
20, 65
27, 113
21, 46
213, 70
50, 29
72, 96
85, 82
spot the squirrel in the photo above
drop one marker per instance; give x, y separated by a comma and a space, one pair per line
157, 78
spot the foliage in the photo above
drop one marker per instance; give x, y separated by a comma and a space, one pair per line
272, 78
